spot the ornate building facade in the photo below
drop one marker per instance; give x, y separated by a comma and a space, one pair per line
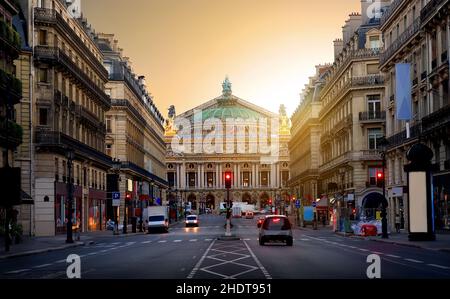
352, 115
304, 146
135, 136
228, 134
418, 32
68, 130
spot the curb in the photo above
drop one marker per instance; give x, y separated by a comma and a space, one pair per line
447, 250
34, 252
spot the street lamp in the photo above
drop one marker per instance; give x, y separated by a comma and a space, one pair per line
70, 156
116, 168
383, 146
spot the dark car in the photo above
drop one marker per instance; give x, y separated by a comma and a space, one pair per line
276, 228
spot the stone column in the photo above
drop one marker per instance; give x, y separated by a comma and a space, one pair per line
216, 179
198, 177
239, 183
257, 179
272, 175
220, 176
253, 181
183, 176
235, 175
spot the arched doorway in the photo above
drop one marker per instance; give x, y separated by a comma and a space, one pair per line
264, 200
192, 200
247, 197
211, 202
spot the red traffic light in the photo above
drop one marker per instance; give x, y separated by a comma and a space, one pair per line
128, 196
380, 175
270, 201
228, 177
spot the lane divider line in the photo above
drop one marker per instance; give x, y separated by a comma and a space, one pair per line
197, 266
264, 271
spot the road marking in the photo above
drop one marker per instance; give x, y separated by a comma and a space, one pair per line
103, 250
42, 266
18, 271
414, 261
247, 239
379, 253
146, 242
364, 250
303, 239
177, 241
162, 241
394, 256
130, 243
207, 240
438, 266
261, 267
200, 261
193, 240
92, 253
60, 261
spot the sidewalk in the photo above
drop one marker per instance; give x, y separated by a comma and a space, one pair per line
36, 245
442, 242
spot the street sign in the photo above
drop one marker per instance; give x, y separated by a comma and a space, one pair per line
297, 204
116, 199
314, 204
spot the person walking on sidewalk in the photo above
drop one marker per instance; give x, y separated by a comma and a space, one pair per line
397, 223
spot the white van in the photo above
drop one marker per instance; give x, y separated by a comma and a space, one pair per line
158, 218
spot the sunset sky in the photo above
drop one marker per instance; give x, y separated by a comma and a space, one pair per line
185, 48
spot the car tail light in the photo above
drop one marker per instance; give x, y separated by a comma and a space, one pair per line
276, 220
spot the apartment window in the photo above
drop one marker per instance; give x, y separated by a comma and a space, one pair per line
374, 136
191, 179
210, 179
284, 178
43, 116
374, 105
78, 175
374, 42
108, 125
372, 69
246, 179
42, 37
373, 178
109, 150
85, 178
43, 75
171, 179
265, 179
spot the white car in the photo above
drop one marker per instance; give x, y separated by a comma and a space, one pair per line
192, 220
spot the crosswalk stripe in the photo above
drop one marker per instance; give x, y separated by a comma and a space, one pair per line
146, 242
177, 241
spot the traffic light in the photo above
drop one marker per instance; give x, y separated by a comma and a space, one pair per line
128, 197
380, 178
228, 178
270, 201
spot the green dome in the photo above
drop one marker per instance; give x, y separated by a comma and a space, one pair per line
230, 112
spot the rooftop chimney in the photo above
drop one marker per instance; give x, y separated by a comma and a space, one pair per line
338, 47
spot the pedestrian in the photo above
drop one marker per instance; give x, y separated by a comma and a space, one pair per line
397, 223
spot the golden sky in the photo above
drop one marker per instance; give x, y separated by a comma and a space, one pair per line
185, 48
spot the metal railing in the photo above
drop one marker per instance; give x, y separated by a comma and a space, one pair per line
437, 119
392, 8
431, 9
400, 42
51, 16
55, 54
44, 138
372, 116
400, 138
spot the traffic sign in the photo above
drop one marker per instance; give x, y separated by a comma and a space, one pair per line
116, 199
314, 204
297, 204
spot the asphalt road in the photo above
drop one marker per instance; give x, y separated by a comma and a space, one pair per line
195, 253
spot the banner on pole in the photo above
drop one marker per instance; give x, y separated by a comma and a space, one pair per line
403, 91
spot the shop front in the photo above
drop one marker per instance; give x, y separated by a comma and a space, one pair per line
62, 208
441, 188
97, 210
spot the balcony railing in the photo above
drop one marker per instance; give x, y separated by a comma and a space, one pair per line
435, 120
10, 87
372, 116
10, 133
344, 61
89, 116
415, 81
400, 138
53, 17
434, 64
61, 142
392, 8
56, 55
371, 155
430, 9
10, 39
400, 42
